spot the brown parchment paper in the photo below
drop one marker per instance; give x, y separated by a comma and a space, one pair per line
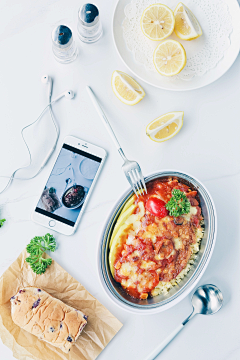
101, 328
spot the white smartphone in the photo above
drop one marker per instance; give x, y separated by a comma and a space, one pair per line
69, 186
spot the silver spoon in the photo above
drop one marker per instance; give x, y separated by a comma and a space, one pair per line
206, 300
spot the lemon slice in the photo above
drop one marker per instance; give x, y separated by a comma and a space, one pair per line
169, 58
126, 88
186, 25
165, 127
157, 22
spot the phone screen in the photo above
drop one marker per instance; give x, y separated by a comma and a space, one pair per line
68, 184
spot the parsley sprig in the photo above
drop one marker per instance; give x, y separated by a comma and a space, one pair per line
1, 222
178, 204
37, 246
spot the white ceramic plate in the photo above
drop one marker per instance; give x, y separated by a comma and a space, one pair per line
179, 85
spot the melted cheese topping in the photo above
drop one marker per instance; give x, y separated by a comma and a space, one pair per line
136, 253
150, 232
130, 239
193, 211
135, 219
147, 265
178, 243
159, 257
139, 281
128, 269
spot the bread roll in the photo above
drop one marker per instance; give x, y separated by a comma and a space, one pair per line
46, 317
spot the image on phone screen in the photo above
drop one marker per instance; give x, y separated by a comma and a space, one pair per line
68, 185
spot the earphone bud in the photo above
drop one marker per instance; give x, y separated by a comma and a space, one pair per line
47, 80
69, 94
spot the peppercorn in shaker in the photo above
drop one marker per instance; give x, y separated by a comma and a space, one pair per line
64, 48
89, 26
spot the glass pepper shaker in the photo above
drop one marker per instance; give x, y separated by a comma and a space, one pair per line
89, 26
63, 45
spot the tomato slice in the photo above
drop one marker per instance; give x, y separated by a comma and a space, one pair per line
156, 207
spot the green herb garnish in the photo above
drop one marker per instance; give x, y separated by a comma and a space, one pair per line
178, 204
1, 222
38, 245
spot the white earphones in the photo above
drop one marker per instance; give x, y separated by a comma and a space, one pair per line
68, 94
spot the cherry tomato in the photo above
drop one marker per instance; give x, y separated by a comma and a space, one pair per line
156, 207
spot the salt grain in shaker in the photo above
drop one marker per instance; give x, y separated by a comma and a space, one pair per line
64, 48
89, 26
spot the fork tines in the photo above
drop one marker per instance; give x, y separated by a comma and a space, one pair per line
136, 181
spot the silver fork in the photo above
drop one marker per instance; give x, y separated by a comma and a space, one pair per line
131, 169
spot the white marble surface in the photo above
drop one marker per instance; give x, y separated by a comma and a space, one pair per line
208, 147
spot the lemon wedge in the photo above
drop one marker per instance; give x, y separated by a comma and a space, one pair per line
157, 22
165, 127
169, 58
126, 88
186, 25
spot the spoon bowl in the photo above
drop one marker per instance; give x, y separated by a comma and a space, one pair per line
207, 300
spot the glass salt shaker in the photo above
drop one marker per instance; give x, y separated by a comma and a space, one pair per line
89, 26
63, 45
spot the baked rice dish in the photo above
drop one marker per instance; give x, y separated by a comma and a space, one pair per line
156, 238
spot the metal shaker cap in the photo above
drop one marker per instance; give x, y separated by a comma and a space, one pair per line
62, 37
88, 15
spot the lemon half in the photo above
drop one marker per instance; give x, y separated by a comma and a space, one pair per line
165, 127
126, 88
186, 25
169, 57
157, 22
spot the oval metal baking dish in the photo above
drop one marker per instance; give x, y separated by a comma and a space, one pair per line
178, 292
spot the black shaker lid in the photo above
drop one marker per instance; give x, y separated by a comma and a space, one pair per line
88, 15
62, 36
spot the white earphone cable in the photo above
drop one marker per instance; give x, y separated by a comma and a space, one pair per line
29, 152
54, 122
